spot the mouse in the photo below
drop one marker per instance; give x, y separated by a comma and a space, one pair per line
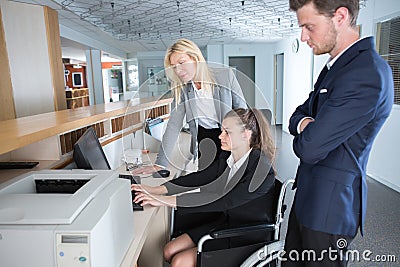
161, 173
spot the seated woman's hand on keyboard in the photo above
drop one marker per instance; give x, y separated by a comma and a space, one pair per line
153, 190
155, 200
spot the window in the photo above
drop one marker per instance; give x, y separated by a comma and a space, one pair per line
388, 40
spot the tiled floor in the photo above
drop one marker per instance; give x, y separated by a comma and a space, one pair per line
382, 226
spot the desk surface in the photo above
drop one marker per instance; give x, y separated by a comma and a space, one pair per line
141, 225
142, 221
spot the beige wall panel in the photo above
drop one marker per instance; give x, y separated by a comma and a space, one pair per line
26, 39
7, 110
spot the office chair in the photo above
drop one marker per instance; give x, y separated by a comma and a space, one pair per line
267, 114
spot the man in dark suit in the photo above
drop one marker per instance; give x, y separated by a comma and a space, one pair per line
333, 133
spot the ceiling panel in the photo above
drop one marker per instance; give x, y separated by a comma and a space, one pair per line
194, 19
147, 25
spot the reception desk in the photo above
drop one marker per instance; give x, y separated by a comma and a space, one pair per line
49, 138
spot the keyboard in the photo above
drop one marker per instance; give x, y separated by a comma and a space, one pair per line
18, 164
134, 180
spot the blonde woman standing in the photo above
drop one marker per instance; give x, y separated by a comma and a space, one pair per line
203, 95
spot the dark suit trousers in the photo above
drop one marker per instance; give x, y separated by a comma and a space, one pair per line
306, 247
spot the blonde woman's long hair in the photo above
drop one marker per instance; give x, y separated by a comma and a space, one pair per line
203, 74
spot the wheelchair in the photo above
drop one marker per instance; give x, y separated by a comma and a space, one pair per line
264, 253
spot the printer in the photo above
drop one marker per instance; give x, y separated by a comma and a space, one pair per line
65, 218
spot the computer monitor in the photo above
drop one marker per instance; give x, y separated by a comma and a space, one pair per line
88, 153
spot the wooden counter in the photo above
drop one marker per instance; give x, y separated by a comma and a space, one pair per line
43, 134
24, 131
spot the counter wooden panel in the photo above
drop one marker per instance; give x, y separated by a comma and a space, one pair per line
7, 108
55, 57
21, 132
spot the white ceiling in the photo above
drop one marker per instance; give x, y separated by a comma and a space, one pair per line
152, 21
131, 26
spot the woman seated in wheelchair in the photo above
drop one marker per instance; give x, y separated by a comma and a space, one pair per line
236, 189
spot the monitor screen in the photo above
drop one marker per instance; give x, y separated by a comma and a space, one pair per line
88, 153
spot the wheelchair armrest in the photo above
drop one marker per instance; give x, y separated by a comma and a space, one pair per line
240, 231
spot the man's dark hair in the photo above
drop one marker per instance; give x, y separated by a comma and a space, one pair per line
328, 7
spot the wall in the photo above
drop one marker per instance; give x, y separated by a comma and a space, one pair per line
297, 81
148, 60
25, 34
383, 163
264, 58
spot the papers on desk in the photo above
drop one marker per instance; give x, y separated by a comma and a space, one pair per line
155, 127
157, 131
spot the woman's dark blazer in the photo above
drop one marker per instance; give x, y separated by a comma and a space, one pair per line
247, 198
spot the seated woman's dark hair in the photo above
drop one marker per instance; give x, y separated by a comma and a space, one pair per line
261, 138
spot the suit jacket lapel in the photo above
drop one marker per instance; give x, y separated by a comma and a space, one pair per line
236, 177
314, 100
321, 77
347, 56
253, 168
352, 52
224, 179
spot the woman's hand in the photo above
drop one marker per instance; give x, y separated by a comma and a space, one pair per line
153, 190
155, 200
146, 170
